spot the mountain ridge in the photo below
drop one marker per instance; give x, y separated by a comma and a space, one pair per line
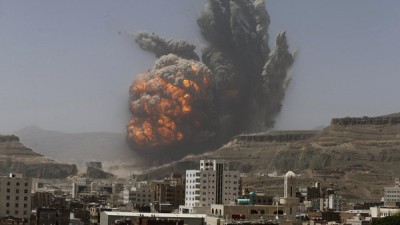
77, 148
362, 155
16, 158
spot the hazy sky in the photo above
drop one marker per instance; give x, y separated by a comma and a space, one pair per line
68, 65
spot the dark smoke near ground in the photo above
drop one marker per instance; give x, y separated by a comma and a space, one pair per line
248, 79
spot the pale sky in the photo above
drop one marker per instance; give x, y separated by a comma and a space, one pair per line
68, 65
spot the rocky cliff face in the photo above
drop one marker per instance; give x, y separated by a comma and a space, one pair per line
16, 158
361, 154
380, 120
277, 136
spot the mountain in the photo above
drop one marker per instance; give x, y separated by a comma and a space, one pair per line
356, 155
16, 158
78, 148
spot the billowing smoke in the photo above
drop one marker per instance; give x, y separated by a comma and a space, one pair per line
159, 46
171, 104
239, 88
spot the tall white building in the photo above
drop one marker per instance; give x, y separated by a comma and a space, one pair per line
334, 202
15, 197
392, 194
214, 183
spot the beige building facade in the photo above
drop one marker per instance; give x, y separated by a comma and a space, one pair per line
15, 197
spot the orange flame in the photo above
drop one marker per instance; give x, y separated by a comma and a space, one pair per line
162, 100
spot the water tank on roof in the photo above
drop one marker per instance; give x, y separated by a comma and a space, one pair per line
243, 201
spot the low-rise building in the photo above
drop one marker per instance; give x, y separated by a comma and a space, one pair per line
379, 212
107, 218
46, 216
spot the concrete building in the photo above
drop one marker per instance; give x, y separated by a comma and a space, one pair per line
15, 197
107, 218
95, 210
42, 200
140, 194
214, 183
231, 213
392, 194
359, 220
379, 212
334, 202
170, 190
46, 216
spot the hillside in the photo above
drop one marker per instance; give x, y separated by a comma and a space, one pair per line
16, 158
78, 148
357, 156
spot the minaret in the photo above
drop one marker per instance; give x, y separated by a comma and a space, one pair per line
290, 201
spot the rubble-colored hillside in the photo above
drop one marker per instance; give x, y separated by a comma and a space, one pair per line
16, 158
358, 159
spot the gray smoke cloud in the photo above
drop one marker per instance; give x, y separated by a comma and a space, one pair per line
159, 46
249, 79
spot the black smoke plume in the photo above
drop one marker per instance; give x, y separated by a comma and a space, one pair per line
249, 80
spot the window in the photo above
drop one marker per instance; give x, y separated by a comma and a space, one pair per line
8, 190
26, 184
8, 197
16, 190
7, 204
17, 183
26, 191
25, 198
16, 212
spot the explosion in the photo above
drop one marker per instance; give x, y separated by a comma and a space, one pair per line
169, 102
182, 104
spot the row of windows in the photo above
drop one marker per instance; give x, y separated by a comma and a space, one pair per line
16, 205
17, 183
212, 199
16, 191
393, 196
194, 175
397, 191
16, 212
138, 195
193, 181
17, 198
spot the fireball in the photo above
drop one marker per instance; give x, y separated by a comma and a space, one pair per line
169, 103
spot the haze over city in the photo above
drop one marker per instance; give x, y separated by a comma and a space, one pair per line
68, 66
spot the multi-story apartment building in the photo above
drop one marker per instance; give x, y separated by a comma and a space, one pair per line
334, 202
392, 194
171, 190
140, 194
15, 197
214, 183
42, 200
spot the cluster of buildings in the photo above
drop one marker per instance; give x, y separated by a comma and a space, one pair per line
210, 195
